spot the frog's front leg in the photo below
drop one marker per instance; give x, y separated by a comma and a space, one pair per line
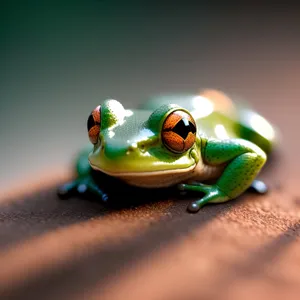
81, 186
243, 162
84, 181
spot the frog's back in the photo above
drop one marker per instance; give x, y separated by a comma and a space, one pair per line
218, 116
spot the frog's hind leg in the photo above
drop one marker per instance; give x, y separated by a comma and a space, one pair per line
256, 129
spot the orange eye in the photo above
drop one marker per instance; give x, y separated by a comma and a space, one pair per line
93, 125
179, 131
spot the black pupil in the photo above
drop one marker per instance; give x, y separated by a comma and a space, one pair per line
90, 122
184, 127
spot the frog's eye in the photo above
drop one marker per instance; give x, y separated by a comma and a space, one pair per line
93, 124
179, 131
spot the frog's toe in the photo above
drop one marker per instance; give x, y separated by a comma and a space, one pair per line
64, 191
104, 197
259, 187
82, 188
193, 207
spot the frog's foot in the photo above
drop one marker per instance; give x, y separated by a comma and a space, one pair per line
67, 190
212, 194
259, 187
81, 186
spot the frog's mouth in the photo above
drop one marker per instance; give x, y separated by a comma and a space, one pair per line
151, 179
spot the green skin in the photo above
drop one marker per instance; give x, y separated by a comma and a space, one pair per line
228, 153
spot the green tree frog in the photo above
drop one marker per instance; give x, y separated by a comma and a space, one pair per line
202, 142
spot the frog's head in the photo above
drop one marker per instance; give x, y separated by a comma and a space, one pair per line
142, 147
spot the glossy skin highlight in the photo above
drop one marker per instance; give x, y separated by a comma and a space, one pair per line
177, 140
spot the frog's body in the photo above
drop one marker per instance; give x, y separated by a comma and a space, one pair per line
181, 140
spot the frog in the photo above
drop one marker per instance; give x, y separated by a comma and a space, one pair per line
203, 142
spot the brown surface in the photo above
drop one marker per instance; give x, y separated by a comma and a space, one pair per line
249, 247
58, 62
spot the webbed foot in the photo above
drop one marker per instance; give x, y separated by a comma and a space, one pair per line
81, 186
212, 194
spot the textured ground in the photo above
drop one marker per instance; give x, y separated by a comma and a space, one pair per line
249, 247
58, 59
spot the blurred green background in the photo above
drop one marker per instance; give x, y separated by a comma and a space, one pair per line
59, 59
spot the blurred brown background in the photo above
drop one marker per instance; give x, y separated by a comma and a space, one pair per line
59, 59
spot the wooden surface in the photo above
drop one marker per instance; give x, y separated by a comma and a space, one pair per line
244, 249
